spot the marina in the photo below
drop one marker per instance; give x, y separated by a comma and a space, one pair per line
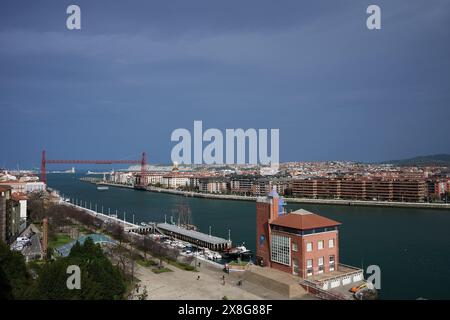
195, 237
189, 242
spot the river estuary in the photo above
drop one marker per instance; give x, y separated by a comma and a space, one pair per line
411, 246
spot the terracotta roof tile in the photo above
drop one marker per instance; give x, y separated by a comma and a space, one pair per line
304, 220
16, 196
5, 188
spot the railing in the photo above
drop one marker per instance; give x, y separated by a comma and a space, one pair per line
312, 287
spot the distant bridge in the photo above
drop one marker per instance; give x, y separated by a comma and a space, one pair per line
142, 162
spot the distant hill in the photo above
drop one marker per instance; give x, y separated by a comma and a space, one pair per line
431, 160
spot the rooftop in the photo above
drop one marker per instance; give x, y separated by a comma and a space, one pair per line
17, 196
4, 188
304, 220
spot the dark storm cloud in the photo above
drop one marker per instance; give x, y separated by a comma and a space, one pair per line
139, 69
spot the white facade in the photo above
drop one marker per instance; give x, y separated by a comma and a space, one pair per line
155, 178
23, 209
123, 178
34, 186
174, 182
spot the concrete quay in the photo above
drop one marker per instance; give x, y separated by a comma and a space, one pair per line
341, 202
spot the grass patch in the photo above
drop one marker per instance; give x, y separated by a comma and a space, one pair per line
238, 263
82, 229
59, 240
146, 263
181, 265
161, 270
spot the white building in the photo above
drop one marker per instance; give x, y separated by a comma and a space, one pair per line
34, 186
175, 181
21, 199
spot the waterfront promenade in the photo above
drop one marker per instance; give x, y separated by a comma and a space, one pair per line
208, 282
420, 205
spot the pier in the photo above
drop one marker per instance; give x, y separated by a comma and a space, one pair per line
195, 237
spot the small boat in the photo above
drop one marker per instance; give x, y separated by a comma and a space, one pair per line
180, 245
209, 255
237, 252
243, 251
102, 188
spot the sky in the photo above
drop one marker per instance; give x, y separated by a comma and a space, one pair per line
137, 70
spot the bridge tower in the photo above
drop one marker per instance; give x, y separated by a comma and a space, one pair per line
143, 180
43, 168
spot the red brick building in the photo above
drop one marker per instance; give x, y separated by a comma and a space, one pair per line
300, 242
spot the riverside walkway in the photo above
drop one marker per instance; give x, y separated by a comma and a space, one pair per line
342, 202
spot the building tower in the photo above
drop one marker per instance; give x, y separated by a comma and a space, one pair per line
301, 243
268, 209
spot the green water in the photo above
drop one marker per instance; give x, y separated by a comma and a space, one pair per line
411, 246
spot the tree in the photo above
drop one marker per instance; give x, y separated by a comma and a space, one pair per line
15, 280
99, 278
118, 233
143, 295
36, 206
5, 286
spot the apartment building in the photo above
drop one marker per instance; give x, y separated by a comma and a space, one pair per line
361, 189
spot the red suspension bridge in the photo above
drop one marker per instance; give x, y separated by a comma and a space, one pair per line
142, 162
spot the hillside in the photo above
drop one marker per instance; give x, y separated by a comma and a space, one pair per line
430, 160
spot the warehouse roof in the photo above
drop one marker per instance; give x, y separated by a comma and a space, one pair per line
195, 235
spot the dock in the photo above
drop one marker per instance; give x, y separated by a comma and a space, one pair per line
195, 237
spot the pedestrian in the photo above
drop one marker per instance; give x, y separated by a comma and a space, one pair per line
198, 277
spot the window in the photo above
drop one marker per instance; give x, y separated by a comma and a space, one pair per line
331, 243
309, 267
331, 263
294, 246
281, 249
320, 263
320, 245
309, 247
295, 266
